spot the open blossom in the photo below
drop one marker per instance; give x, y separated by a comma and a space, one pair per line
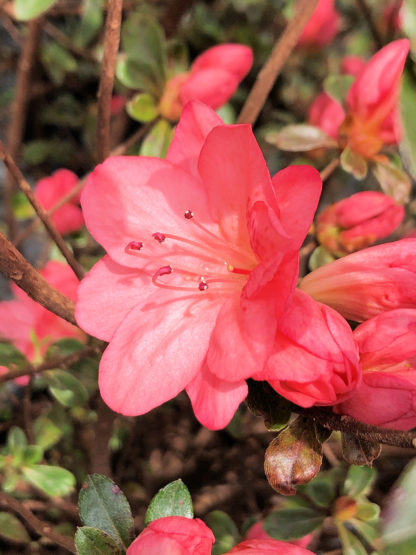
31, 327
358, 221
177, 535
366, 283
322, 26
213, 79
202, 259
371, 117
387, 395
50, 190
315, 359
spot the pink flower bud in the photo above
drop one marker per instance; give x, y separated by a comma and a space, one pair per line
275, 547
322, 26
366, 283
387, 395
352, 65
175, 535
358, 221
327, 114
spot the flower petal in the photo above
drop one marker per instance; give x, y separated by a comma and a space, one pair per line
214, 400
234, 58
213, 86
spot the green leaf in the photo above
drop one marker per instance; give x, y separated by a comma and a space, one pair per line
359, 481
321, 490
91, 22
138, 75
367, 511
65, 347
337, 86
16, 440
398, 530
408, 18
354, 163
57, 61
29, 9
66, 389
103, 505
92, 541
393, 181
157, 141
10, 356
46, 432
143, 40
172, 500
351, 545
293, 522
11, 529
53, 480
225, 531
320, 257
408, 103
32, 454
143, 107
300, 138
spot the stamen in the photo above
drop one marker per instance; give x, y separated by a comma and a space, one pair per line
135, 245
203, 285
160, 237
188, 214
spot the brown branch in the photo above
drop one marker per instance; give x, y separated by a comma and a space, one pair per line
41, 212
270, 71
105, 89
38, 526
15, 267
19, 109
51, 363
365, 10
329, 169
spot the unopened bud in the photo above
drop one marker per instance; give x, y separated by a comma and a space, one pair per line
359, 451
345, 508
294, 457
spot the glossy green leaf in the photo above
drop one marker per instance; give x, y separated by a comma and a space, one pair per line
367, 511
47, 433
359, 480
393, 181
53, 480
24, 10
351, 545
91, 22
32, 454
354, 163
65, 347
12, 530
92, 541
320, 257
225, 531
143, 107
337, 86
300, 138
157, 141
138, 75
103, 505
10, 356
293, 522
66, 389
58, 61
16, 439
172, 500
321, 490
407, 104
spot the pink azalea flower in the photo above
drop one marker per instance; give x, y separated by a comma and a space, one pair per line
50, 190
322, 26
213, 79
173, 535
352, 65
258, 547
371, 118
202, 259
358, 221
366, 283
387, 395
315, 359
31, 327
257, 532
327, 114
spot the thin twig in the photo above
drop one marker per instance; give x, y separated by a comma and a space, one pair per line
38, 526
15, 267
365, 10
18, 111
105, 89
329, 169
51, 363
266, 78
41, 212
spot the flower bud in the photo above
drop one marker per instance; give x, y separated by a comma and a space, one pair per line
294, 457
358, 221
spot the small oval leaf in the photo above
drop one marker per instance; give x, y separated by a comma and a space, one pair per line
11, 529
53, 480
300, 138
172, 500
92, 541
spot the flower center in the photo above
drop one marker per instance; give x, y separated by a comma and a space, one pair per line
186, 264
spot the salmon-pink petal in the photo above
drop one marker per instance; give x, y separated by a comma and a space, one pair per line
152, 195
234, 58
67, 219
17, 319
215, 400
235, 175
107, 294
51, 189
298, 189
352, 65
211, 86
197, 120
327, 114
260, 546
156, 352
62, 277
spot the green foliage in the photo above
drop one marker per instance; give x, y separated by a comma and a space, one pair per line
104, 506
10, 356
12, 530
66, 389
52, 480
25, 10
393, 181
157, 141
320, 257
359, 481
91, 22
354, 163
143, 108
293, 522
300, 137
225, 531
92, 541
47, 433
57, 61
172, 500
337, 86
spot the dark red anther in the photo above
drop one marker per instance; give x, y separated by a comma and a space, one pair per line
189, 214
164, 270
202, 285
159, 237
135, 245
